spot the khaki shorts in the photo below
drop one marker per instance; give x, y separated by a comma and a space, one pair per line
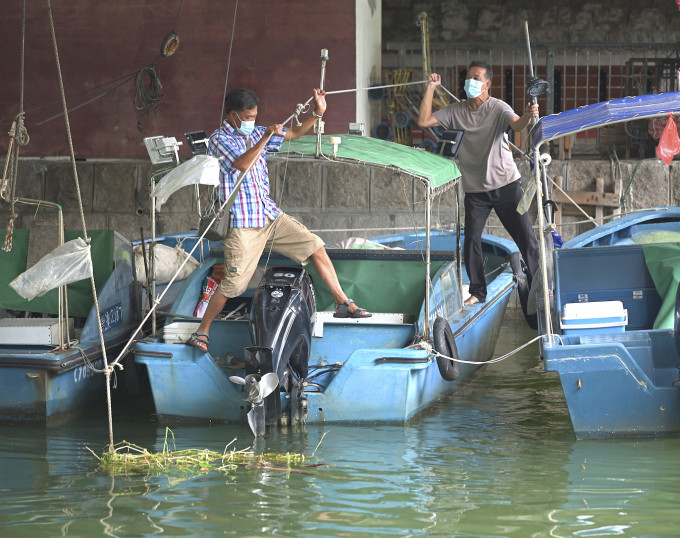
244, 246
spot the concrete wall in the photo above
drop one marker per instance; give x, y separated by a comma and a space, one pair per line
115, 194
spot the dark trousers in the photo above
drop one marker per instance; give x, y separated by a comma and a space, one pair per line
478, 206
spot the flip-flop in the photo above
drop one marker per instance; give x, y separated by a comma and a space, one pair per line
342, 311
199, 340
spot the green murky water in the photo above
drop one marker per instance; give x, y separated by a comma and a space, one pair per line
498, 459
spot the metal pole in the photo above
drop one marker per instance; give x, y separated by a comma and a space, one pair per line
428, 224
152, 259
319, 122
534, 100
541, 244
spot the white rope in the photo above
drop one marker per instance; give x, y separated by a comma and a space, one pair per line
378, 87
428, 347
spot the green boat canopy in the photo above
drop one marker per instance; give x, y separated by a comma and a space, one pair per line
437, 171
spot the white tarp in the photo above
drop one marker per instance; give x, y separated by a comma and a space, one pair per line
168, 259
67, 263
201, 169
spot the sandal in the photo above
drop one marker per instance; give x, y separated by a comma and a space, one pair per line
199, 340
472, 300
342, 311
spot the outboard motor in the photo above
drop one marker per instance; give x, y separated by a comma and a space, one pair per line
281, 324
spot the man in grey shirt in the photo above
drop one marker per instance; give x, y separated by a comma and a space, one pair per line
490, 176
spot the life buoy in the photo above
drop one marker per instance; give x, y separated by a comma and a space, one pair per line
519, 269
445, 344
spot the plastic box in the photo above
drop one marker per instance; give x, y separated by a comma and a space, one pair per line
31, 331
179, 332
593, 318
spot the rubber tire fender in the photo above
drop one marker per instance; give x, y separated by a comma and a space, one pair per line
520, 272
445, 343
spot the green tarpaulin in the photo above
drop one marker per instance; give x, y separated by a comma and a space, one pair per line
437, 170
389, 286
80, 298
663, 263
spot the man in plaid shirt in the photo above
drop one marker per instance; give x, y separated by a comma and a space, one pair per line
256, 222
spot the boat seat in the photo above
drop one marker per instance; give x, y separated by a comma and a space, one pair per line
628, 339
378, 318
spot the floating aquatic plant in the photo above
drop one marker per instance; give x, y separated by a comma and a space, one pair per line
126, 458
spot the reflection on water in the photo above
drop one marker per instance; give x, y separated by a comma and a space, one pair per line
498, 459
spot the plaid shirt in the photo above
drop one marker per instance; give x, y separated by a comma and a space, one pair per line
252, 204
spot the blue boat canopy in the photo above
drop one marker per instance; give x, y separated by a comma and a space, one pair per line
439, 172
600, 114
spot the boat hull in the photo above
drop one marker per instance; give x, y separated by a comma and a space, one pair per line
618, 381
41, 382
620, 389
360, 370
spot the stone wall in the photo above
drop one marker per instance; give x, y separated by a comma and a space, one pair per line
321, 194
502, 21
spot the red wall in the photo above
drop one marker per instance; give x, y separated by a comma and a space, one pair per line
276, 52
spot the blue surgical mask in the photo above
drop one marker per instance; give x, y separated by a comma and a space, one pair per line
473, 88
246, 128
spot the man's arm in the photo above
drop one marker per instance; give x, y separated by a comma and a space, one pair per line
247, 159
319, 108
520, 122
425, 116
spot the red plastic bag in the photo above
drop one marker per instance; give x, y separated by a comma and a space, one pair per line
669, 143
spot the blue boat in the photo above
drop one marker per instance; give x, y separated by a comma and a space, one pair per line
386, 368
50, 346
612, 332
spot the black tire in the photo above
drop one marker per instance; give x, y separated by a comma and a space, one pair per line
520, 271
445, 344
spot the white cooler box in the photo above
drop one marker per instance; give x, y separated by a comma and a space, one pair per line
179, 332
31, 331
596, 317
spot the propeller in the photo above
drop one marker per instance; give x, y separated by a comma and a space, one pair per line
257, 389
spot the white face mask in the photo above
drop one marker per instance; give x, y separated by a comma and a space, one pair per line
473, 88
246, 128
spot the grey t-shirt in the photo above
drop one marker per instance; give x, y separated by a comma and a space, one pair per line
484, 157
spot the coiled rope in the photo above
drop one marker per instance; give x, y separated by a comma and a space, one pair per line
147, 95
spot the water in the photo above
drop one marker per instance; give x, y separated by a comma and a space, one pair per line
498, 459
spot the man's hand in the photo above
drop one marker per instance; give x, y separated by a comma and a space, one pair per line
434, 80
532, 109
276, 129
319, 102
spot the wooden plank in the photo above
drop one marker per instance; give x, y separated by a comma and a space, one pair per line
599, 189
605, 199
558, 213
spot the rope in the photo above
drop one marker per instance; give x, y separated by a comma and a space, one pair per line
226, 78
18, 137
428, 347
146, 100
177, 16
82, 215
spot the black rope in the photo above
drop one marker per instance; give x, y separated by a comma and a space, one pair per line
147, 97
177, 16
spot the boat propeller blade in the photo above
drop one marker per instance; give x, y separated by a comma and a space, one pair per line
237, 380
256, 419
268, 384
259, 387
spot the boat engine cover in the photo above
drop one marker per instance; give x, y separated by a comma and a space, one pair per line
282, 318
